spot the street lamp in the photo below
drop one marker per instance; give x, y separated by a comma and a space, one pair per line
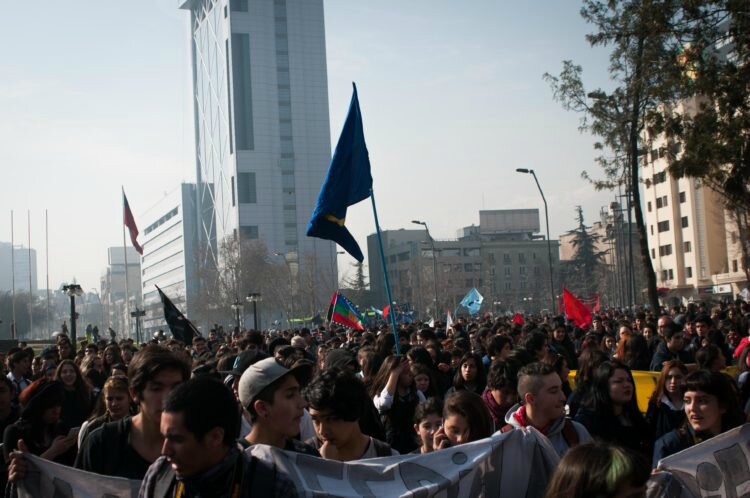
434, 263
237, 307
255, 298
549, 242
72, 290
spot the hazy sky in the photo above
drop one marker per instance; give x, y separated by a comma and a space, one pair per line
97, 94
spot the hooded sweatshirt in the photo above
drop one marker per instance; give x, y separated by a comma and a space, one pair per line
517, 418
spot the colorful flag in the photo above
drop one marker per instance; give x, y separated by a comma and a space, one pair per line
348, 182
182, 329
343, 312
575, 311
129, 222
472, 301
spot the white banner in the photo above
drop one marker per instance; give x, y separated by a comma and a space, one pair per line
517, 464
719, 467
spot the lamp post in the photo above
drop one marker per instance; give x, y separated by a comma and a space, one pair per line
255, 298
138, 314
73, 290
549, 242
237, 307
434, 263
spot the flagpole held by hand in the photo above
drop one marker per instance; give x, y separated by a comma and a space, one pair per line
391, 312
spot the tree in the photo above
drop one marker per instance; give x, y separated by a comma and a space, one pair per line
646, 37
584, 270
358, 282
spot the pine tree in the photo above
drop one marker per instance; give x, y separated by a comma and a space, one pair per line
584, 270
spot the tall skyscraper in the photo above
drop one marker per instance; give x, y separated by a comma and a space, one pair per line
25, 271
262, 131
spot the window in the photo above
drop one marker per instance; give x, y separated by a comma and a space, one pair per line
468, 267
523, 284
689, 272
506, 258
537, 271
508, 286
684, 222
653, 254
682, 198
664, 275
735, 267
243, 98
246, 188
249, 232
507, 271
239, 5
522, 270
652, 229
665, 250
671, 275
469, 282
661, 202
660, 177
648, 205
521, 258
663, 226
233, 196
688, 246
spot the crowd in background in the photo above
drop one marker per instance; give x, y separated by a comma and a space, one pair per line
118, 408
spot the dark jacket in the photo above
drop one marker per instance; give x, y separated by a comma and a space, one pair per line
663, 354
673, 442
663, 419
636, 435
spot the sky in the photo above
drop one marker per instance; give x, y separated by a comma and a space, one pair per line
96, 95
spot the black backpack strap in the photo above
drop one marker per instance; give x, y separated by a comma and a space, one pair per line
570, 434
381, 449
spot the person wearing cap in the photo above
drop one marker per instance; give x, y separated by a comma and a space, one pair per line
271, 393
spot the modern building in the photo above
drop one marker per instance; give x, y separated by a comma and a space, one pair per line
170, 255
262, 130
686, 223
118, 280
24, 260
505, 258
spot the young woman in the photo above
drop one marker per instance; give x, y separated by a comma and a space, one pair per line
428, 419
78, 399
92, 367
424, 380
711, 358
588, 362
601, 470
502, 389
610, 411
711, 407
470, 375
465, 419
114, 403
636, 354
665, 408
39, 428
608, 345
396, 398
111, 356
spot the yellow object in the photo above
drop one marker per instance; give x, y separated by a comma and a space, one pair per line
645, 383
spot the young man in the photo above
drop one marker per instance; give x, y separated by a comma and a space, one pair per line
543, 407
271, 393
672, 348
127, 447
19, 365
336, 402
200, 455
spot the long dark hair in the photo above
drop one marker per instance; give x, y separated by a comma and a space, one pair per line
481, 378
599, 399
719, 385
381, 379
81, 387
470, 406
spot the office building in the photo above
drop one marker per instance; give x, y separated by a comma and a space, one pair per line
262, 131
119, 280
24, 261
504, 257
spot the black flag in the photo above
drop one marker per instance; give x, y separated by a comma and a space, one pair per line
182, 329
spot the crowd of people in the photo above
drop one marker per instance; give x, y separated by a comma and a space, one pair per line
178, 416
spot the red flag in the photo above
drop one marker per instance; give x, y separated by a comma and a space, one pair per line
576, 311
129, 222
517, 318
386, 311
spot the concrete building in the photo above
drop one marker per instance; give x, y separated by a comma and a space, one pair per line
25, 267
113, 290
505, 258
686, 224
170, 255
262, 130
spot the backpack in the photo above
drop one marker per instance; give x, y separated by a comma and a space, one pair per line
569, 433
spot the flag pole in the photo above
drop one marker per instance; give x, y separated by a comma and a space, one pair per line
31, 288
13, 275
391, 312
127, 280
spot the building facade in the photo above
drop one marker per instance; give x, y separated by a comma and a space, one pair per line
24, 260
170, 256
262, 130
505, 258
118, 281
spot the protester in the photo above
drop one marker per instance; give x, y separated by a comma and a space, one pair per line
588, 362
9, 411
337, 400
599, 470
19, 365
543, 407
465, 419
428, 418
711, 407
127, 447
92, 367
200, 456
610, 411
78, 397
665, 408
271, 393
396, 398
710, 358
424, 380
672, 348
112, 356
470, 375
114, 403
501, 392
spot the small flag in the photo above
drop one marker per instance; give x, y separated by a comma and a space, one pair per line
576, 311
517, 318
182, 329
431, 323
129, 222
449, 321
387, 310
348, 182
472, 301
343, 312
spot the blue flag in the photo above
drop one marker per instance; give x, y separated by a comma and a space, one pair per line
348, 182
472, 301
